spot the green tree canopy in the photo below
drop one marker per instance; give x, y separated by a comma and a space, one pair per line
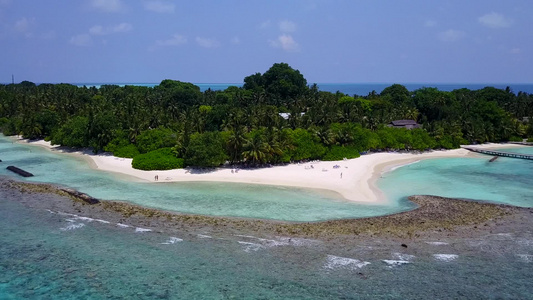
205, 150
281, 83
154, 139
180, 93
74, 133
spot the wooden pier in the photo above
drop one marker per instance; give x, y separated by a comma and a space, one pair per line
501, 153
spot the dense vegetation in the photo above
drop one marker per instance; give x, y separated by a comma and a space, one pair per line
274, 118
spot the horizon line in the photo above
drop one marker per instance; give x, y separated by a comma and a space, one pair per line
240, 83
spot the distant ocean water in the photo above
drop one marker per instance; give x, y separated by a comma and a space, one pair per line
360, 89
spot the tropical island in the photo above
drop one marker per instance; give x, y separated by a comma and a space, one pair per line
275, 134
275, 118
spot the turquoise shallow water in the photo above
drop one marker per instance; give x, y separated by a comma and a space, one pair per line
49, 255
505, 180
222, 199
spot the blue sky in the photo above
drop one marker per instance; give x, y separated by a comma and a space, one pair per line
213, 41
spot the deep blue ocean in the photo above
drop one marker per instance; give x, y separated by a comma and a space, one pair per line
360, 89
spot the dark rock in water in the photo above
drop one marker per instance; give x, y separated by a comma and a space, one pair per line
493, 159
19, 171
82, 196
404, 245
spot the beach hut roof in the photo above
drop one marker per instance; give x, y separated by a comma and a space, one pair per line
404, 122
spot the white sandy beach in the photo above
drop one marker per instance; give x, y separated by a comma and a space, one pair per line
353, 179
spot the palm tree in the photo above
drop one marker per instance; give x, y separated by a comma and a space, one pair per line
235, 144
257, 149
325, 135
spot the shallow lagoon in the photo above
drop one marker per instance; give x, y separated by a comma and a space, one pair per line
506, 181
220, 199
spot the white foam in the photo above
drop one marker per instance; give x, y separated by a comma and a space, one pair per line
172, 240
247, 236
299, 241
91, 219
525, 242
73, 226
281, 241
273, 243
139, 229
123, 225
401, 166
84, 218
265, 242
437, 243
337, 262
526, 257
203, 236
395, 263
66, 214
76, 217
445, 257
250, 246
505, 234
403, 256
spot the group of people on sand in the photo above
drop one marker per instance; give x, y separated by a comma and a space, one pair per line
156, 178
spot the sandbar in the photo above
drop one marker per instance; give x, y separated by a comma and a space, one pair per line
354, 179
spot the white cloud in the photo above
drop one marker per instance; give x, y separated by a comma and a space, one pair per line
310, 6
97, 30
451, 35
159, 6
265, 24
285, 42
235, 40
81, 40
107, 5
207, 43
101, 30
122, 27
287, 26
49, 35
494, 20
430, 23
175, 40
22, 25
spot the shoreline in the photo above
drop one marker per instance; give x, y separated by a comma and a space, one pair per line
469, 237
354, 180
434, 217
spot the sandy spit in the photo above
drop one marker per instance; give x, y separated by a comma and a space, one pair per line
353, 179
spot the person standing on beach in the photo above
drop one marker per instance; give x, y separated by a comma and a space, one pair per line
341, 175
